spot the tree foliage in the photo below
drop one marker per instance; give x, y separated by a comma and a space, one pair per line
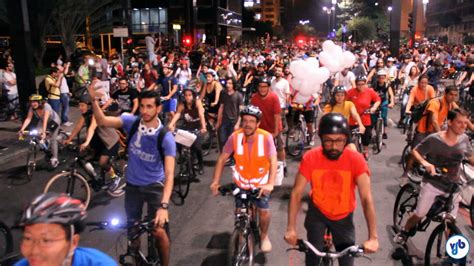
363, 28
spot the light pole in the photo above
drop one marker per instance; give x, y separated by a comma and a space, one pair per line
425, 3
328, 11
333, 8
304, 22
390, 8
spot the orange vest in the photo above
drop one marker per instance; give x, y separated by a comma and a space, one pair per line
251, 169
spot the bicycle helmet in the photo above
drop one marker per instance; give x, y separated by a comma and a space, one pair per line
253, 111
361, 78
85, 99
35, 97
338, 89
265, 80
381, 72
191, 89
333, 123
56, 208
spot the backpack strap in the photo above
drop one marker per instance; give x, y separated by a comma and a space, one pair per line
133, 129
159, 143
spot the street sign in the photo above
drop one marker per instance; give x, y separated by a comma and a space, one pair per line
121, 32
176, 26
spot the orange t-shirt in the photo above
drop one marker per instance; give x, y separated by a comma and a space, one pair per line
333, 182
418, 95
434, 107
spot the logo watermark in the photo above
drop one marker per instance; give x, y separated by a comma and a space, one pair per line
457, 247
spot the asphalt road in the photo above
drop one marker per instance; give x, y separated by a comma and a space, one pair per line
200, 229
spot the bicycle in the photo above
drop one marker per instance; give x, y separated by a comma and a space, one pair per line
328, 256
406, 202
211, 141
82, 190
7, 256
186, 172
246, 234
377, 140
297, 137
357, 139
35, 144
135, 232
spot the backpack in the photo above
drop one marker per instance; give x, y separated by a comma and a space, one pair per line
420, 110
42, 89
161, 136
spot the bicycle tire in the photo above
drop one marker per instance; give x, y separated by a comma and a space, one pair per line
241, 243
405, 156
295, 140
358, 144
6, 240
439, 236
85, 197
184, 177
30, 163
378, 136
404, 205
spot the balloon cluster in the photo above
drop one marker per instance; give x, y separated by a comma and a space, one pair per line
308, 75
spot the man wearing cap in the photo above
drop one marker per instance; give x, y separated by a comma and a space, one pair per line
169, 87
384, 89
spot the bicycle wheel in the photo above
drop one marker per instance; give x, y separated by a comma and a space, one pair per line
6, 240
405, 204
436, 253
183, 179
378, 136
295, 140
358, 144
406, 153
30, 163
75, 186
241, 248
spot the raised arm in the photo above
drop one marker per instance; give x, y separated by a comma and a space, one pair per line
101, 118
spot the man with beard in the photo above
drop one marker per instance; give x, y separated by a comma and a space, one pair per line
125, 97
255, 166
150, 169
333, 171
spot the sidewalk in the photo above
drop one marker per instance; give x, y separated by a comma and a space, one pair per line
12, 149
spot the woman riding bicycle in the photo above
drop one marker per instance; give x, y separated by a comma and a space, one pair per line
210, 95
193, 113
48, 120
410, 82
105, 143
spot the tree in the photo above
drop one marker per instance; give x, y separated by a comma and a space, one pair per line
305, 30
42, 24
363, 27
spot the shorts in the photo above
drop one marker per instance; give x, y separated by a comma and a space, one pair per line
280, 141
308, 116
261, 203
343, 234
170, 105
427, 196
137, 196
100, 148
366, 137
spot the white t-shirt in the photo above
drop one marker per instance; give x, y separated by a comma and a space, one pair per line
9, 77
150, 43
281, 88
346, 80
64, 88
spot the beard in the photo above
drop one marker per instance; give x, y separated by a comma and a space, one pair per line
332, 154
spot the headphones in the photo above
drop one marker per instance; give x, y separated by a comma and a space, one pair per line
144, 130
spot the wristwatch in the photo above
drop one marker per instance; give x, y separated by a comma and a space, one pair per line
164, 206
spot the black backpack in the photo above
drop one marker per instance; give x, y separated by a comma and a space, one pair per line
161, 136
42, 89
419, 110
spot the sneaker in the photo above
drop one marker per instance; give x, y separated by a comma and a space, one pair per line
401, 237
68, 124
366, 155
266, 245
54, 162
384, 136
115, 183
404, 180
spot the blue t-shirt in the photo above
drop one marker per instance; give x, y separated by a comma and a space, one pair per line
145, 165
84, 256
165, 83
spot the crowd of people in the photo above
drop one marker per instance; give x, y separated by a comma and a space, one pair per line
244, 91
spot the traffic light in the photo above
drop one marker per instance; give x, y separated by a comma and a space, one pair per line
187, 41
410, 22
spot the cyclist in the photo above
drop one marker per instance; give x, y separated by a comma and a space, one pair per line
48, 120
51, 226
387, 98
411, 81
445, 149
333, 171
255, 165
338, 104
228, 119
149, 175
169, 89
420, 93
210, 94
433, 119
193, 114
307, 109
125, 97
103, 140
345, 78
363, 97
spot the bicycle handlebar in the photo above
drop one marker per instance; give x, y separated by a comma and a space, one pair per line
115, 224
305, 246
235, 190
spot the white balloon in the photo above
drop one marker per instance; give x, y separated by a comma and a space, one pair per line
327, 45
335, 66
312, 62
322, 75
296, 83
325, 58
348, 59
298, 68
301, 99
306, 88
336, 53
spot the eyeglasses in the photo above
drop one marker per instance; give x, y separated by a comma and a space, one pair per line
331, 142
42, 242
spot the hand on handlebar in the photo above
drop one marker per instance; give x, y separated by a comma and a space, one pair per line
203, 130
265, 190
371, 246
431, 169
391, 105
43, 135
83, 146
361, 129
161, 217
291, 237
214, 188
372, 110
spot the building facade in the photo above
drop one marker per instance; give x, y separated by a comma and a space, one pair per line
266, 10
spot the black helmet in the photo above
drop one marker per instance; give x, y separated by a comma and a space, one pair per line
338, 89
85, 99
265, 80
191, 89
54, 208
333, 123
253, 111
361, 78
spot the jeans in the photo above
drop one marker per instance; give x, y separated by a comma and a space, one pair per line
404, 105
226, 130
64, 107
12, 102
55, 104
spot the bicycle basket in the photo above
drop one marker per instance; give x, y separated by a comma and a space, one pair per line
184, 138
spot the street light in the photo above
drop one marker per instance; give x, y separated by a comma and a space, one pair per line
328, 11
390, 8
304, 22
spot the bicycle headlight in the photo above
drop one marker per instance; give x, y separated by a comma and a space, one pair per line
114, 222
33, 132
